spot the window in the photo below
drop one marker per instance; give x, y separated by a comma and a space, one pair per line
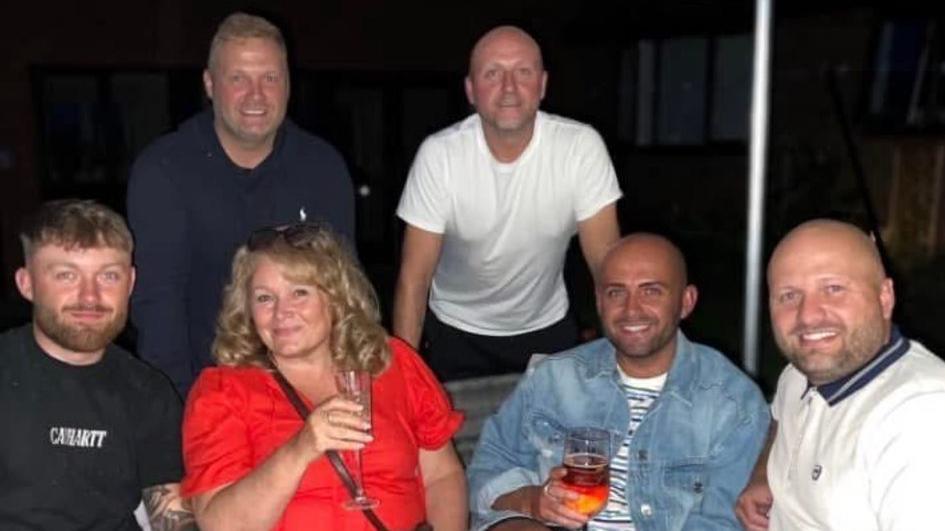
908, 85
686, 91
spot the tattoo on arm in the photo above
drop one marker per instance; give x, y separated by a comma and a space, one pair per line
166, 509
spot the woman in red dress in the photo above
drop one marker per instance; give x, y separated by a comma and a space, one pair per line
298, 303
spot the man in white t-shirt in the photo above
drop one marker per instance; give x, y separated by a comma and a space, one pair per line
490, 206
855, 442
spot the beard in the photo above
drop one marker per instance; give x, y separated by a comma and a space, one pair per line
79, 337
860, 344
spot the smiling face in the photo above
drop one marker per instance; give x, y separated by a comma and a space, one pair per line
248, 82
506, 81
831, 304
292, 318
641, 297
80, 299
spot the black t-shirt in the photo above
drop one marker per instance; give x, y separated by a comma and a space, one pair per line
80, 443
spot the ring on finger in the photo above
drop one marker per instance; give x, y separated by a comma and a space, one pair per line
547, 490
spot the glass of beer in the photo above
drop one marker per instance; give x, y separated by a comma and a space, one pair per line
587, 460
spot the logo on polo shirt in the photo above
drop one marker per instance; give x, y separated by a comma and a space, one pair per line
815, 474
76, 437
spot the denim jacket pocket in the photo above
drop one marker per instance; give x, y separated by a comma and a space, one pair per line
685, 480
547, 435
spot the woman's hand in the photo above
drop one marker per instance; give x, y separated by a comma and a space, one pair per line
336, 424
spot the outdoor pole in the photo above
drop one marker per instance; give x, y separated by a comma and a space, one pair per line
756, 183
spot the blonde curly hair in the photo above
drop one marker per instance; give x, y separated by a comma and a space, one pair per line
309, 254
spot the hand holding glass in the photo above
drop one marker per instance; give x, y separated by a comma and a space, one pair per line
587, 461
356, 386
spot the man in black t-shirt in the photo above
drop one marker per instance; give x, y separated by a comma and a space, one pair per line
89, 430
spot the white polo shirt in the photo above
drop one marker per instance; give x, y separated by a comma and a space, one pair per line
506, 227
866, 452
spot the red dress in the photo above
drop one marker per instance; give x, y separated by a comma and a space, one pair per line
236, 417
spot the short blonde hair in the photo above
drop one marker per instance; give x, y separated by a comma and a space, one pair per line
75, 223
310, 254
239, 26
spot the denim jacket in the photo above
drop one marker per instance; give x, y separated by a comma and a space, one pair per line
689, 458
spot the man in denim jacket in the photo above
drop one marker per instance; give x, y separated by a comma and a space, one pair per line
686, 425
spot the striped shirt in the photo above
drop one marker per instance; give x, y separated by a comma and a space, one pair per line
640, 393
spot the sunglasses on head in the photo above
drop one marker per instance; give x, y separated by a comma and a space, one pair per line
294, 234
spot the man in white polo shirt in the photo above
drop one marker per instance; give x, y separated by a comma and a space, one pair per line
856, 443
491, 204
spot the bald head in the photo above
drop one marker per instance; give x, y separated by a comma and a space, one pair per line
829, 241
830, 301
503, 36
652, 246
642, 294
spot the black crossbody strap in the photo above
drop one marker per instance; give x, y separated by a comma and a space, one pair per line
333, 456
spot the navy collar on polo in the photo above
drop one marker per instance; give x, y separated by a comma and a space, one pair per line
837, 390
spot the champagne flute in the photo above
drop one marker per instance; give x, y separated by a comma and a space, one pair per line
587, 461
355, 386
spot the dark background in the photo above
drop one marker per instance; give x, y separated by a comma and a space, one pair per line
85, 85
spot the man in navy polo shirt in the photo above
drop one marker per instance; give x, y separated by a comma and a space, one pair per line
855, 444
196, 194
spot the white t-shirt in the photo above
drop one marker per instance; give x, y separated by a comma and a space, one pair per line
505, 227
874, 459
